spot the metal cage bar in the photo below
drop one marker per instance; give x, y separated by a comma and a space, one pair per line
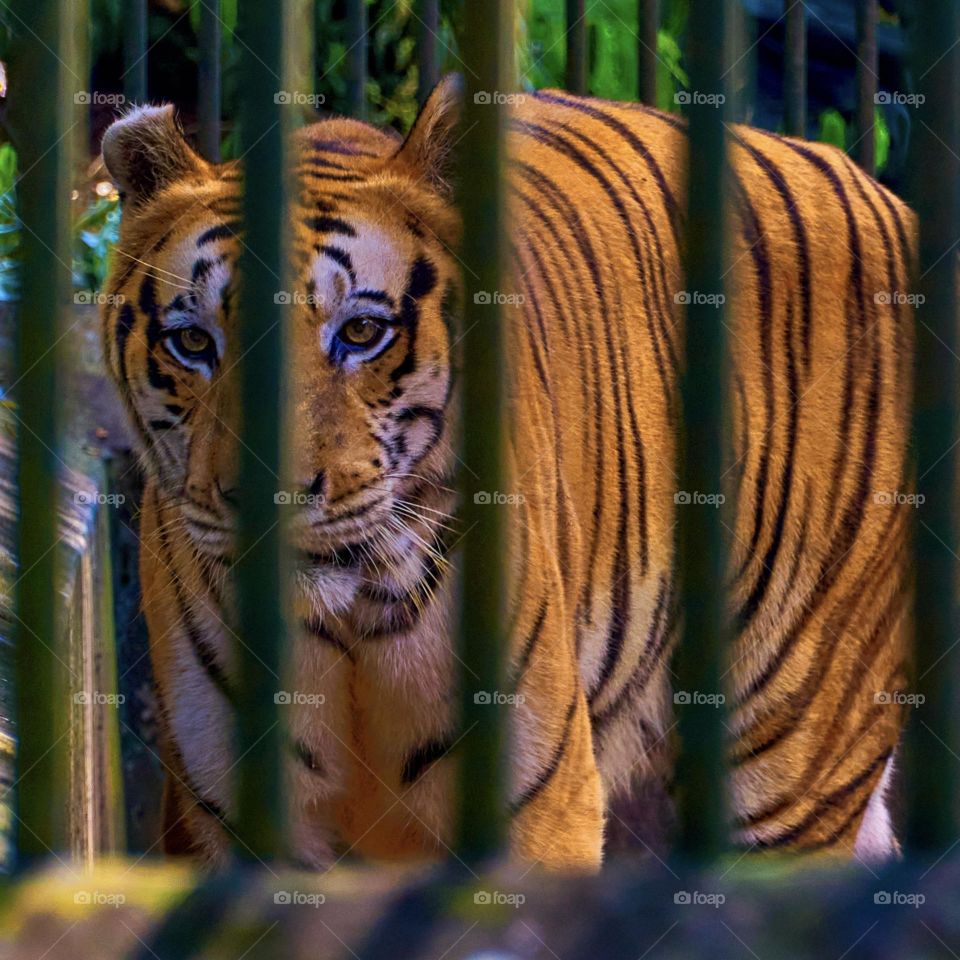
44, 83
135, 51
795, 70
701, 540
259, 585
427, 40
209, 81
932, 731
577, 69
485, 46
357, 28
648, 22
866, 143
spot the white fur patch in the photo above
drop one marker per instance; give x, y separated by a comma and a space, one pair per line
876, 840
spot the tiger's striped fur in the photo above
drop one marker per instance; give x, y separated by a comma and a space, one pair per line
821, 349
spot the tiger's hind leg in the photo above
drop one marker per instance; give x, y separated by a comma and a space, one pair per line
558, 799
819, 717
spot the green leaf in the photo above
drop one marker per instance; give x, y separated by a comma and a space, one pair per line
833, 128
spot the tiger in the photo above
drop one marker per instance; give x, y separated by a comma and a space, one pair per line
820, 352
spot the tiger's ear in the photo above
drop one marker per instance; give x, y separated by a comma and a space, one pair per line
145, 151
428, 149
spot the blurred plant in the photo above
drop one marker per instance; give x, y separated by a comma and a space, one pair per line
95, 232
834, 129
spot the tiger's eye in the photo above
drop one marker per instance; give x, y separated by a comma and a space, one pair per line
360, 332
194, 340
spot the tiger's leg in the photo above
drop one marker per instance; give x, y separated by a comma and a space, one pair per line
558, 802
819, 718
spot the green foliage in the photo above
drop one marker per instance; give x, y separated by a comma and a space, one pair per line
835, 130
95, 234
612, 29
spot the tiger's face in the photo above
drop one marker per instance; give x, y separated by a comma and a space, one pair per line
369, 333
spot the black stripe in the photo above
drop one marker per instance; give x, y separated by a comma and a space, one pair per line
220, 232
340, 257
330, 225
548, 773
421, 758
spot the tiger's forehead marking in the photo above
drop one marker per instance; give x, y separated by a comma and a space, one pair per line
373, 260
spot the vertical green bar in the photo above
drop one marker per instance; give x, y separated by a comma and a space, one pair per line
795, 70
43, 85
209, 80
648, 22
299, 47
357, 58
701, 544
867, 83
429, 28
933, 742
575, 78
259, 584
486, 50
135, 51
